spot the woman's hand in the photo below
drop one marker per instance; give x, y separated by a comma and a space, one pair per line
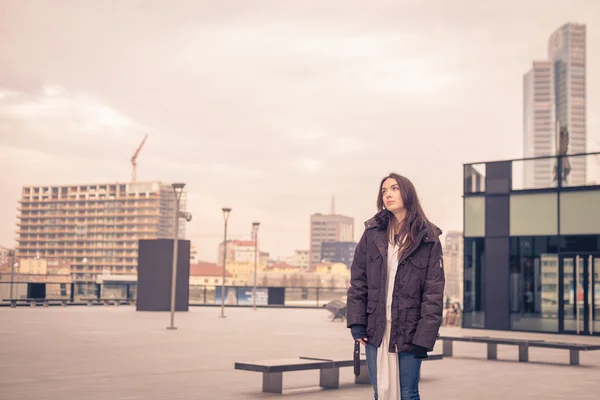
359, 333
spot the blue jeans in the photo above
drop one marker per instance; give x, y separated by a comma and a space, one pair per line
410, 371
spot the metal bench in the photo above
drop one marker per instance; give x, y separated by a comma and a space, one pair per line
329, 371
523, 344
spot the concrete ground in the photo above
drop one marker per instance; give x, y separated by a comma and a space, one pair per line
118, 353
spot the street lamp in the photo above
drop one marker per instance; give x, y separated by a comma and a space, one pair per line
226, 212
178, 190
255, 226
13, 265
87, 272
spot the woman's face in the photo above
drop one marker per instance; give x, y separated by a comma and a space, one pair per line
392, 200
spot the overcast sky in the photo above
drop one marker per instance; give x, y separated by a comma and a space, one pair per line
270, 107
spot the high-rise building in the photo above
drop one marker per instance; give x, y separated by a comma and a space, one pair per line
566, 49
453, 264
328, 228
554, 97
539, 138
95, 226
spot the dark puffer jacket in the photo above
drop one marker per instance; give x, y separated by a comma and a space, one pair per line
418, 293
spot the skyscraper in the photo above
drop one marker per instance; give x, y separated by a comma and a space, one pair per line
554, 96
539, 130
566, 49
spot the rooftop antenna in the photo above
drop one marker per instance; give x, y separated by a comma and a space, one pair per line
333, 204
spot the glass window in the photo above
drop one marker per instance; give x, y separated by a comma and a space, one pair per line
474, 178
580, 213
534, 214
534, 283
474, 216
574, 244
474, 253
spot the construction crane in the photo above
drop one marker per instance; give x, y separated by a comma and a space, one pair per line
134, 158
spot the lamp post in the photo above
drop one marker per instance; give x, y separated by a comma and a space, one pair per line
226, 212
13, 265
178, 190
255, 226
87, 272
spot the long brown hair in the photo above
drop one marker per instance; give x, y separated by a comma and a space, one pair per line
415, 219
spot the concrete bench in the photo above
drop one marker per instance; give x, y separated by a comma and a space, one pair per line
523, 345
329, 370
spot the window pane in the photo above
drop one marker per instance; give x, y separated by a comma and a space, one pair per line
534, 214
473, 315
475, 216
580, 213
474, 178
534, 284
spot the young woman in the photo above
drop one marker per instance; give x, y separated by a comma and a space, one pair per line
395, 300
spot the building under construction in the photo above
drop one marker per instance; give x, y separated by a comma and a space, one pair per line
95, 226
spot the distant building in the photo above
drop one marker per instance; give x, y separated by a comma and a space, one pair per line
95, 226
555, 94
238, 250
5, 258
328, 228
453, 265
208, 274
539, 126
338, 252
299, 259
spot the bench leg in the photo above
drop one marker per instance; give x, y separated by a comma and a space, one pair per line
90, 303
32, 304
63, 303
492, 351
523, 353
574, 357
273, 382
13, 304
46, 304
447, 348
363, 378
330, 378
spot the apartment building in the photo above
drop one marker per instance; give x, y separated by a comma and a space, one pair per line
95, 226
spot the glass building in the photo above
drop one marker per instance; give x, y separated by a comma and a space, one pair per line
532, 254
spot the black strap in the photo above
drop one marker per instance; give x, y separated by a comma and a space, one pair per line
356, 358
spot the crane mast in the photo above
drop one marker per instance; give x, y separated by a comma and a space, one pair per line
134, 158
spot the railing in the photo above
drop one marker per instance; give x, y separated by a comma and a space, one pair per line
280, 296
550, 172
199, 295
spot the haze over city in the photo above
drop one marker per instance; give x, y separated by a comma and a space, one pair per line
271, 107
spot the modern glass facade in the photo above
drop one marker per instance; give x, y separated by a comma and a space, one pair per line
531, 255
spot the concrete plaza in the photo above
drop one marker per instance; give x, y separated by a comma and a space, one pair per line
118, 353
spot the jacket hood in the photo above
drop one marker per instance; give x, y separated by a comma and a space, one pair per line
381, 220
